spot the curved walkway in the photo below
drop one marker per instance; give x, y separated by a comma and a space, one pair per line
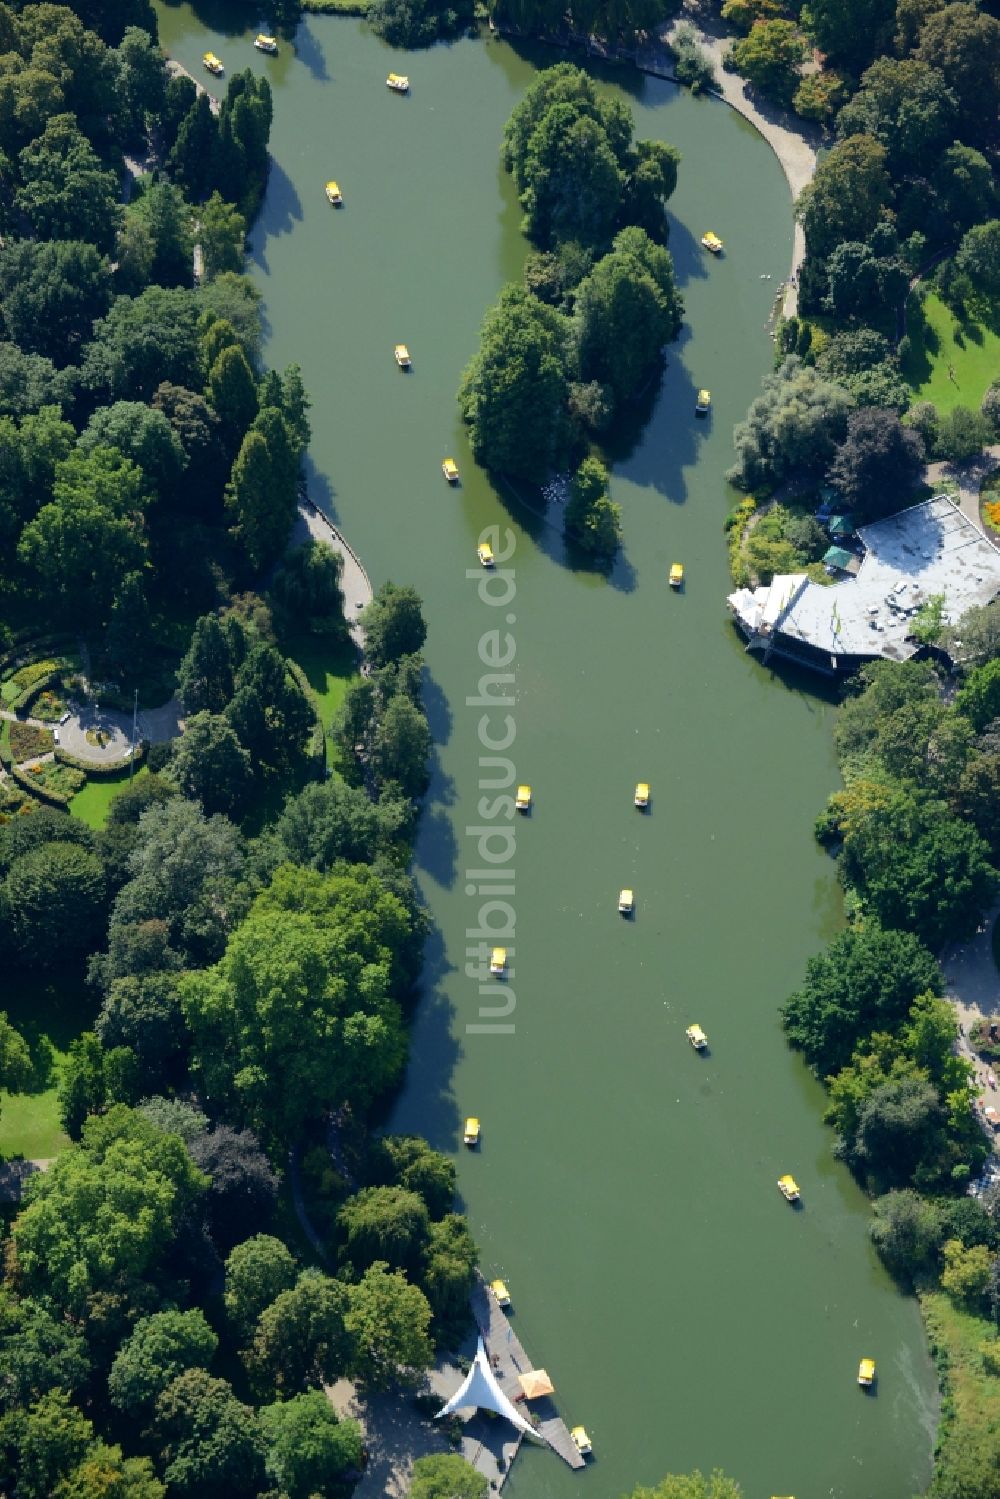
358, 593
156, 725
793, 141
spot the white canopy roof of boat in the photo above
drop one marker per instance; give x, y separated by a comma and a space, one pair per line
480, 1389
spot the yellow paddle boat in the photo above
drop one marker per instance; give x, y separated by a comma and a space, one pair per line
581, 1441
402, 356
626, 902
789, 1188
485, 554
676, 577
641, 797
213, 64
866, 1373
471, 1135
398, 82
500, 1291
265, 43
703, 402
697, 1037
450, 470
712, 242
333, 194
522, 800
498, 961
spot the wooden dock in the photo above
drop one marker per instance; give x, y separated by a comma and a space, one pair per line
509, 1360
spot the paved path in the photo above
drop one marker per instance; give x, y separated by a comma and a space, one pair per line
354, 581
973, 985
792, 140
965, 480
175, 70
156, 725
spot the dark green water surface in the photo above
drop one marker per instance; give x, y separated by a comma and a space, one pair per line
625, 1187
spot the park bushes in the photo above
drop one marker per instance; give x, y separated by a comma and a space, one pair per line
103, 769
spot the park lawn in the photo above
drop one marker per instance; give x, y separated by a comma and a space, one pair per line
49, 1012
92, 801
330, 667
970, 1408
938, 341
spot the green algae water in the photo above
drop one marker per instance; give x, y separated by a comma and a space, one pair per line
625, 1187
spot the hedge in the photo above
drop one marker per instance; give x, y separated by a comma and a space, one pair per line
41, 793
99, 772
24, 700
336, 7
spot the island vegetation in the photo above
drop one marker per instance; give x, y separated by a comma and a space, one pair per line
566, 352
240, 937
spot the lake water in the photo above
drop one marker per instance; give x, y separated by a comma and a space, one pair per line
625, 1187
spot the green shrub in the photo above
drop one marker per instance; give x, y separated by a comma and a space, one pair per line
100, 772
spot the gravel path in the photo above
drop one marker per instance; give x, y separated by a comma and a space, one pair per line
792, 140
965, 480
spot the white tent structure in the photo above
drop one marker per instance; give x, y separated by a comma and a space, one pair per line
481, 1390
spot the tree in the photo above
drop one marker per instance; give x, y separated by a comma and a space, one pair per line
906, 106
184, 874
232, 391
302, 1337
408, 1161
104, 1215
819, 95
917, 867
257, 1272
162, 208
327, 821
205, 677
142, 342
961, 435
966, 1273
899, 1128
143, 1013
866, 980
280, 1031
28, 382
845, 198
979, 256
795, 424
393, 624
878, 463
962, 180
38, 1353
851, 31
627, 309
142, 434
212, 766
402, 747
388, 1320
308, 1449
905, 1231
52, 293
158, 1349
445, 1475
191, 156
90, 535
514, 392
417, 23
384, 1223
769, 58
130, 627
53, 901
243, 1189
67, 193
572, 185
105, 1474
262, 494
15, 1057
591, 518
221, 234
50, 1439
142, 81
211, 1443
449, 1275
978, 699
236, 300
269, 711
963, 44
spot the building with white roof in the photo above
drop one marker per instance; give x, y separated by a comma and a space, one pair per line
930, 550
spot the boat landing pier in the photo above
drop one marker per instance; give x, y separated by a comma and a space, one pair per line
509, 1360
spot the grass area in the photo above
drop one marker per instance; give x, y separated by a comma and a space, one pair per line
91, 803
49, 1011
939, 343
330, 667
970, 1405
